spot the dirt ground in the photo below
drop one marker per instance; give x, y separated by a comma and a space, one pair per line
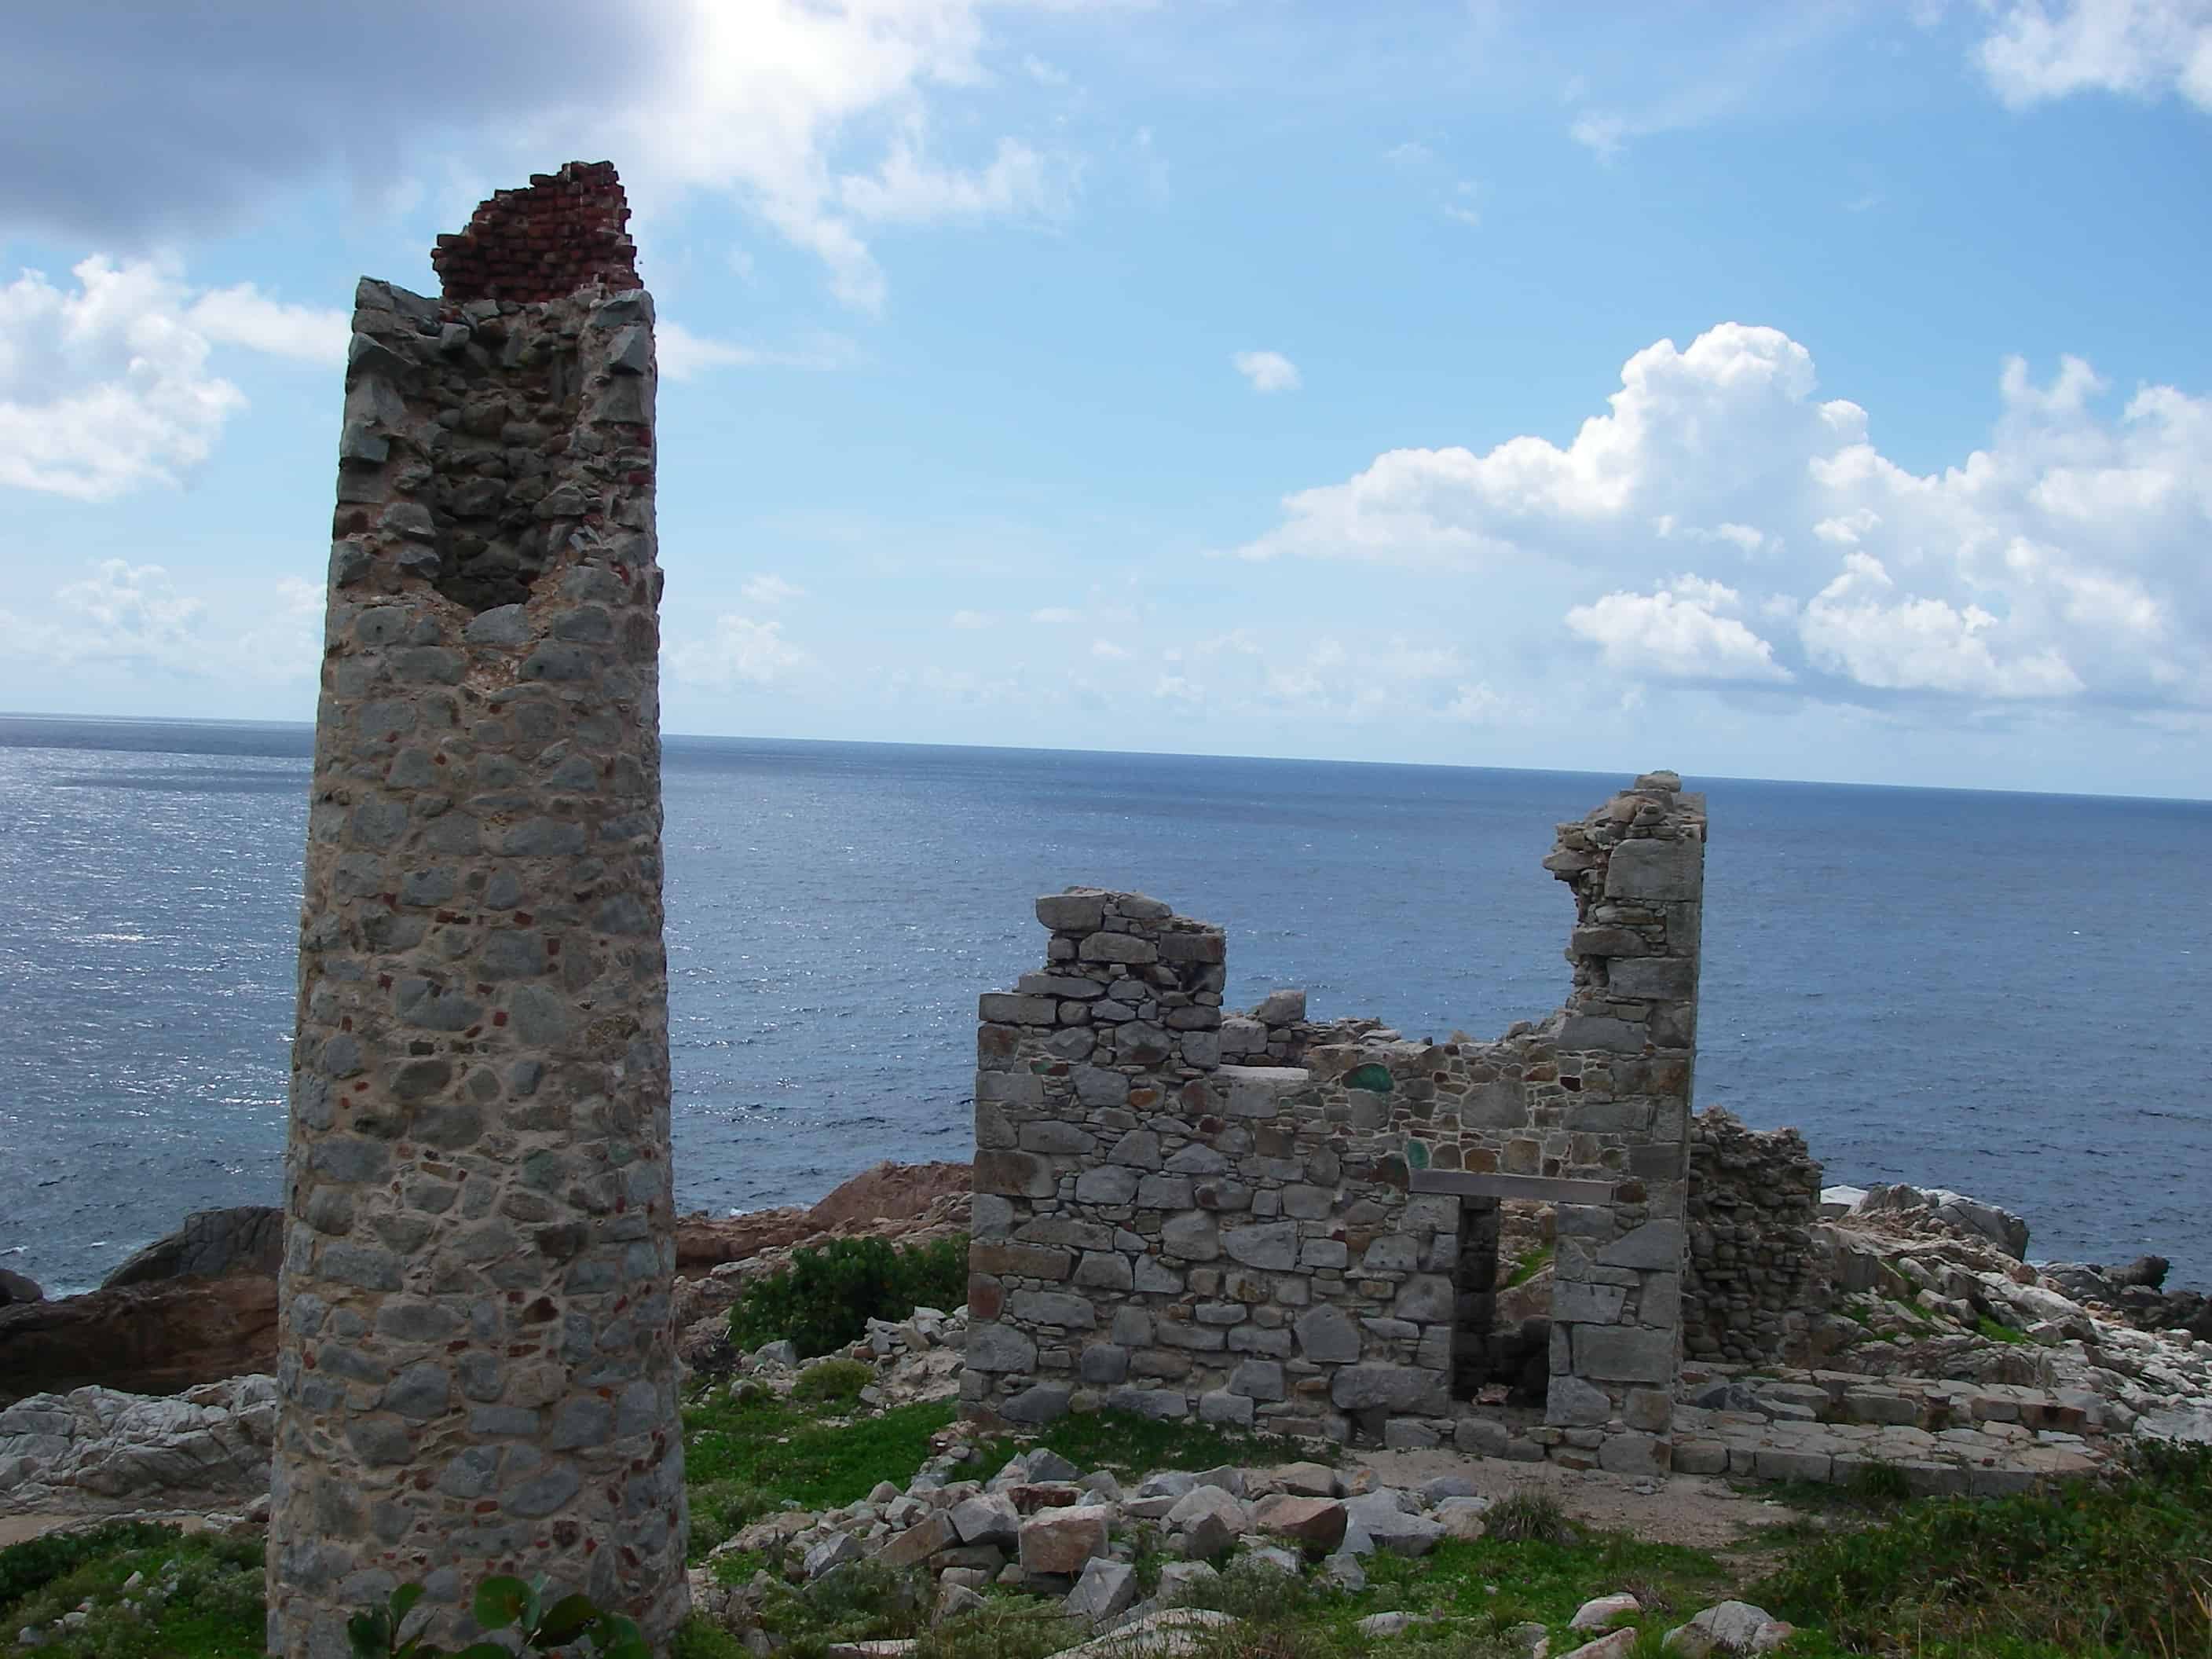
1697, 1510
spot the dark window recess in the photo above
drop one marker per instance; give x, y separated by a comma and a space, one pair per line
1490, 1366
502, 511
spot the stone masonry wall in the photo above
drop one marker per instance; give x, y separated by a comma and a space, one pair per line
475, 1360
1754, 1278
1161, 1229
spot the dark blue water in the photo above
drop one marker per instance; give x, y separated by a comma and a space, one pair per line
2001, 992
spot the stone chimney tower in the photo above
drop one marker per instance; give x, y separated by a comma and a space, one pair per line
477, 1362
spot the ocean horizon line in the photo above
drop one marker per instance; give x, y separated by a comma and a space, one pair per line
306, 728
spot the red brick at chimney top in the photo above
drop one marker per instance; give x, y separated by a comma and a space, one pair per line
543, 242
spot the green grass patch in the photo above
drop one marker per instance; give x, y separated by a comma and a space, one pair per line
825, 1299
1504, 1582
2118, 1567
744, 1454
200, 1596
1130, 1445
1996, 1332
1527, 1266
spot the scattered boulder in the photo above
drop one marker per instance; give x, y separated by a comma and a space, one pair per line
1385, 1520
1062, 1540
1605, 1611
15, 1287
1317, 1523
1729, 1627
1181, 1580
1170, 1633
1107, 1588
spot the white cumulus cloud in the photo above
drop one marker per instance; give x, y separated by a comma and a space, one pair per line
108, 384
243, 315
105, 386
2038, 51
1677, 633
1268, 371
2063, 559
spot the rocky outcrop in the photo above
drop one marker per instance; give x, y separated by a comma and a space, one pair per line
875, 1200
95, 1449
1920, 1208
201, 1304
192, 1308
212, 1244
2136, 1293
149, 1339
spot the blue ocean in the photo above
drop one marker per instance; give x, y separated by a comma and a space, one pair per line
2000, 993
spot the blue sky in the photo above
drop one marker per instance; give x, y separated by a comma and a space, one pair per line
1818, 391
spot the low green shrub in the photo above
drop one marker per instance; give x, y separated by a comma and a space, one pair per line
833, 1380
30, 1566
719, 1509
825, 1299
199, 1596
1529, 1517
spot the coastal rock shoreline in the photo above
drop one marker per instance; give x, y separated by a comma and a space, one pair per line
1933, 1334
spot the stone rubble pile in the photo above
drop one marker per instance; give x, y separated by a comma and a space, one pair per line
916, 1358
1043, 1527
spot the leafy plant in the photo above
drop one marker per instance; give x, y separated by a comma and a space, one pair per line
823, 1299
501, 1603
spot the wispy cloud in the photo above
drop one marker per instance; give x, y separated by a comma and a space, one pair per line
1268, 371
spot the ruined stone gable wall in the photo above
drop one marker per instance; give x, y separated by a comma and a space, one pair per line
1161, 1228
476, 1361
1753, 1277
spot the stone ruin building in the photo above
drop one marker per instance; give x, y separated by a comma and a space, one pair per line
1260, 1220
476, 1362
